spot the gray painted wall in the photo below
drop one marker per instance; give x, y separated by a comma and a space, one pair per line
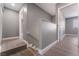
48, 33
70, 29
10, 23
33, 26
0, 23
53, 20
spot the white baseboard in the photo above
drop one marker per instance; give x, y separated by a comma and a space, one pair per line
71, 34
10, 38
42, 51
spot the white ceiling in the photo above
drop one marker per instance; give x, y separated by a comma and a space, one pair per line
70, 11
48, 7
16, 7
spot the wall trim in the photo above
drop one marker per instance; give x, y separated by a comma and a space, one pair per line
42, 51
10, 38
70, 34
66, 5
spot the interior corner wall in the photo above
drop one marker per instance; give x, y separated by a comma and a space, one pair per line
10, 23
53, 20
33, 17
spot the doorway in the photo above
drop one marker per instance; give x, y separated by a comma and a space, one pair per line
68, 20
10, 28
68, 27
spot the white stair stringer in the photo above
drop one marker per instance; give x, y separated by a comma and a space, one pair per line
32, 46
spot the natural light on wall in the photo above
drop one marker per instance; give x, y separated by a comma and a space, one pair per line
25, 9
51, 26
13, 4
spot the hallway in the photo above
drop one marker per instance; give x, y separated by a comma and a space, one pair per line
66, 47
28, 29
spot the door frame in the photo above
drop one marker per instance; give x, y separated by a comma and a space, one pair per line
21, 23
58, 11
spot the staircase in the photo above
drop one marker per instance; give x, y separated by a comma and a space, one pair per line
12, 46
17, 46
32, 41
27, 52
